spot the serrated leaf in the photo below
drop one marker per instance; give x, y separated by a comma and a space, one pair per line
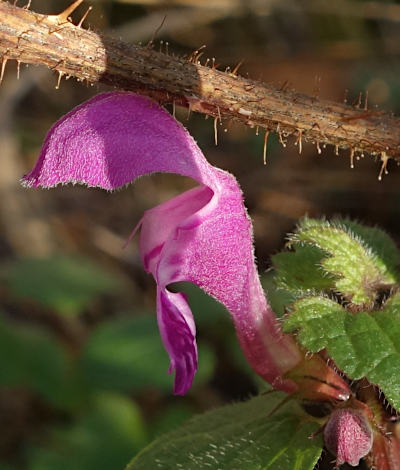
362, 344
387, 255
300, 270
127, 354
359, 270
65, 284
241, 436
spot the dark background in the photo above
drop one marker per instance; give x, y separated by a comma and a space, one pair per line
83, 376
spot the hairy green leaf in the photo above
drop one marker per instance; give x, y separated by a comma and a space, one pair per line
360, 264
242, 436
300, 270
362, 345
385, 251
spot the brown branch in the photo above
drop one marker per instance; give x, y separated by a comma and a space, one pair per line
72, 51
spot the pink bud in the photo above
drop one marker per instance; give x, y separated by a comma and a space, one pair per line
348, 435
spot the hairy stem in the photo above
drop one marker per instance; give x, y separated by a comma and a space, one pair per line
52, 40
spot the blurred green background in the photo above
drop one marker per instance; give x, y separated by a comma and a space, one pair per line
83, 375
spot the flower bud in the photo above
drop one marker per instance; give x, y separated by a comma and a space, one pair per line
348, 435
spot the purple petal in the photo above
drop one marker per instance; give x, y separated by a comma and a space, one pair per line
168, 216
203, 236
178, 333
112, 139
213, 249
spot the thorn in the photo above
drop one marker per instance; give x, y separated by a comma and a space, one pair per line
299, 141
284, 85
26, 7
366, 101
194, 56
317, 84
150, 43
173, 108
337, 150
278, 131
189, 111
4, 61
257, 128
219, 115
215, 130
166, 47
63, 16
265, 147
237, 67
60, 74
384, 160
318, 148
18, 67
197, 58
281, 139
207, 61
346, 92
359, 100
351, 157
214, 66
84, 17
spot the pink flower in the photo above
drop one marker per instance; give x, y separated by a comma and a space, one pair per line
203, 236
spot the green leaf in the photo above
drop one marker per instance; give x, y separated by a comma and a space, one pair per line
360, 269
65, 284
127, 354
103, 439
30, 357
300, 271
279, 299
242, 436
362, 344
385, 251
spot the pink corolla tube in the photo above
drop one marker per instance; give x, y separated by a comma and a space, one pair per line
202, 236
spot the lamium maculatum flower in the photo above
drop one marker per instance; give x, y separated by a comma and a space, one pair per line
203, 236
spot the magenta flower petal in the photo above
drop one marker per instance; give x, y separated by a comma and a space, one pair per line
178, 333
112, 139
203, 236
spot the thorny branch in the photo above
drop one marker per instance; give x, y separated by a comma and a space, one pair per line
52, 40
